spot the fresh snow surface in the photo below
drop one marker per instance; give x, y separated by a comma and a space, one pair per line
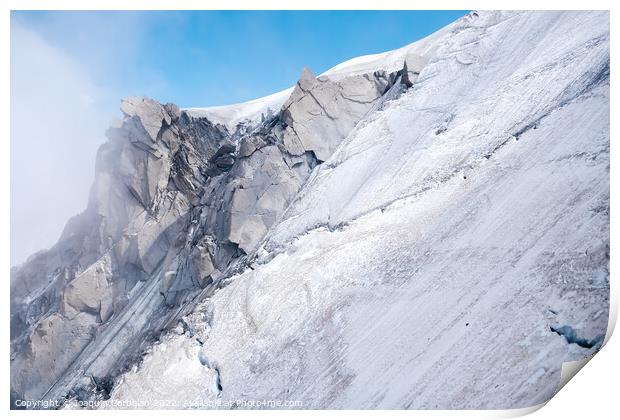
251, 111
425, 264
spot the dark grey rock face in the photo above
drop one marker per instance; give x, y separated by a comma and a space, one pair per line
177, 203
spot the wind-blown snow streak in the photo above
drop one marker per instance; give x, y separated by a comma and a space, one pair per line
452, 253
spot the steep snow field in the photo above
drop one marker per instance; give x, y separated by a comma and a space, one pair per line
452, 253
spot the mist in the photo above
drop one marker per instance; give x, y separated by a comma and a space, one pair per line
58, 120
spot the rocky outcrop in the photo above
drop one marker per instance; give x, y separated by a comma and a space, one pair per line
134, 217
320, 112
453, 252
91, 292
177, 204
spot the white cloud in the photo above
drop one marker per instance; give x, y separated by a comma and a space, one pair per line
58, 119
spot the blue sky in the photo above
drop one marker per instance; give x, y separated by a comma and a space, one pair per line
69, 71
202, 58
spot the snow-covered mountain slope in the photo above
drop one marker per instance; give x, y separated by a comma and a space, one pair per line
423, 228
452, 252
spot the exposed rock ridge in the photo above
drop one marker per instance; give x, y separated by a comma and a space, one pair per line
176, 201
